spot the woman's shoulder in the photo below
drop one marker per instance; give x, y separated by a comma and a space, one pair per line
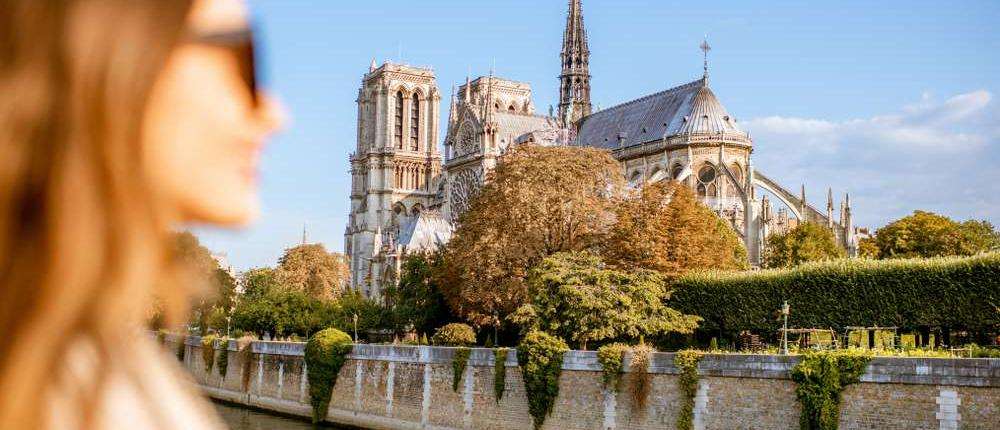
141, 387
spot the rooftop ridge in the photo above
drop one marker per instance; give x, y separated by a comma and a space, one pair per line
649, 96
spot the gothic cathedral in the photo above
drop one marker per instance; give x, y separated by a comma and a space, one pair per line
404, 200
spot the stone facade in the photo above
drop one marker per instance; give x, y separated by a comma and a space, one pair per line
404, 387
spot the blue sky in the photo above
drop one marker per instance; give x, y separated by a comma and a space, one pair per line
892, 101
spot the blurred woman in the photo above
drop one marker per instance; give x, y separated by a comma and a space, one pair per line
120, 120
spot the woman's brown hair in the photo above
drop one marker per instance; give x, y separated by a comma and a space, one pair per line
82, 234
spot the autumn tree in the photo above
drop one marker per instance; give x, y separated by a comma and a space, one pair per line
926, 234
576, 296
538, 201
311, 269
216, 287
665, 228
808, 241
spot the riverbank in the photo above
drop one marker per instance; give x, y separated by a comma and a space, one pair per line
410, 387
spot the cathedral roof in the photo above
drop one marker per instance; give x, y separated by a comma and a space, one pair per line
426, 231
691, 108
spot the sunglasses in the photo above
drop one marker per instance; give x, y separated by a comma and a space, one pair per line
241, 44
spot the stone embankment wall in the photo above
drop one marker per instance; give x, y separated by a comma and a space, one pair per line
409, 387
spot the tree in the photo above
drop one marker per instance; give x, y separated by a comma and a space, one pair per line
665, 228
926, 234
311, 269
258, 282
417, 301
217, 288
575, 296
808, 241
284, 312
537, 202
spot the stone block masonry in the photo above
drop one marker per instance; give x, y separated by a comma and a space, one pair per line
410, 387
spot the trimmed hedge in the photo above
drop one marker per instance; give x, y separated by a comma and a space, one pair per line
454, 334
954, 292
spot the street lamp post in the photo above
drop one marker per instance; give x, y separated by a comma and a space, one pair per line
355, 327
784, 331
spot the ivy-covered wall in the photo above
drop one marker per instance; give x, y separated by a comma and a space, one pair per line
410, 387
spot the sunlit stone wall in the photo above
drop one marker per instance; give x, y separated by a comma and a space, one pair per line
409, 387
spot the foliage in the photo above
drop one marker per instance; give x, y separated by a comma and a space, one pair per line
820, 377
499, 372
284, 312
612, 359
309, 268
976, 351
667, 229
687, 362
538, 201
208, 351
454, 334
641, 379
540, 357
956, 292
458, 363
245, 352
258, 282
423, 339
222, 361
575, 296
215, 287
867, 248
181, 348
326, 352
417, 302
926, 234
808, 241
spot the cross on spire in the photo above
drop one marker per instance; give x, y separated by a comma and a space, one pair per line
705, 47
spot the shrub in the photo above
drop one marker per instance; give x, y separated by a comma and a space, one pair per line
454, 334
499, 372
326, 352
641, 383
955, 292
687, 362
458, 363
208, 351
612, 359
540, 357
222, 360
820, 377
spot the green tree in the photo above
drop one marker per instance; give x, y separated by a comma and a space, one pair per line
417, 302
313, 270
575, 296
926, 234
667, 229
808, 241
258, 282
284, 313
537, 202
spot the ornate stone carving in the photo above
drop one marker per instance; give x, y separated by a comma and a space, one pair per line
464, 185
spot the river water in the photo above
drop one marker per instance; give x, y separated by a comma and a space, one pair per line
238, 418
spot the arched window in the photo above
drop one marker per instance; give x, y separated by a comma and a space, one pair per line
399, 120
737, 172
415, 124
676, 171
511, 109
706, 181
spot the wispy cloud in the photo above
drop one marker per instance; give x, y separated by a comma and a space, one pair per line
936, 155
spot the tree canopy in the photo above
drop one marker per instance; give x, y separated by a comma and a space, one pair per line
665, 228
808, 241
417, 301
311, 269
537, 202
926, 234
217, 288
576, 296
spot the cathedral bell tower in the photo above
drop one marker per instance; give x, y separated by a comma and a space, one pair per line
574, 81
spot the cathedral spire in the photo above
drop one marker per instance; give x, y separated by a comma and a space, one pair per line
705, 48
574, 88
